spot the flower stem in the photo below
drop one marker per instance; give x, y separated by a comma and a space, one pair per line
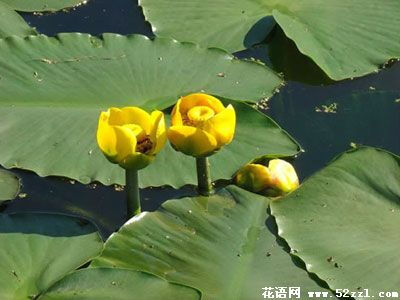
203, 176
132, 193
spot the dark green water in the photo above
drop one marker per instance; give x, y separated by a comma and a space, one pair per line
362, 111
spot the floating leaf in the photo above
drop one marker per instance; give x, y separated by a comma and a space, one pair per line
346, 38
116, 284
59, 86
11, 23
9, 185
225, 23
345, 219
228, 235
39, 249
42, 5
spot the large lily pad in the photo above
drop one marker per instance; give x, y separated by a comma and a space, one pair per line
345, 219
225, 23
81, 71
42, 5
346, 38
9, 185
57, 87
39, 249
116, 284
11, 23
223, 245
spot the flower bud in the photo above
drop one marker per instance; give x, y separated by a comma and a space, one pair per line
284, 175
280, 176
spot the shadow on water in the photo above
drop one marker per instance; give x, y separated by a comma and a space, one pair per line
281, 54
103, 205
45, 224
259, 32
287, 59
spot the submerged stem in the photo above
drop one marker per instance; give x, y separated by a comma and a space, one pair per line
203, 176
132, 193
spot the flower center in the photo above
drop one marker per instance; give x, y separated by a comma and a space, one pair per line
144, 143
200, 114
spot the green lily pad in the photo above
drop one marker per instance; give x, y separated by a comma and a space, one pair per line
225, 24
59, 86
223, 245
345, 219
39, 249
346, 38
42, 5
117, 284
11, 23
9, 186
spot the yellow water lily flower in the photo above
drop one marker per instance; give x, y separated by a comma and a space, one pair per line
130, 136
279, 175
201, 125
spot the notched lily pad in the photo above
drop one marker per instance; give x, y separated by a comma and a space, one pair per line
39, 249
345, 219
345, 38
117, 284
11, 23
229, 235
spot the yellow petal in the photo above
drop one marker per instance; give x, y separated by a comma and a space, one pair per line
116, 117
199, 99
126, 142
222, 126
253, 177
191, 141
176, 117
285, 177
138, 131
158, 134
135, 115
136, 161
106, 138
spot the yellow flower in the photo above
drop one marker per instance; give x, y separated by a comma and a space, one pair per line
279, 175
130, 136
201, 125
